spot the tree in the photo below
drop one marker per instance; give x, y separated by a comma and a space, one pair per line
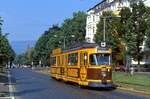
129, 31
147, 18
75, 26
7, 54
56, 36
113, 37
100, 27
46, 42
136, 31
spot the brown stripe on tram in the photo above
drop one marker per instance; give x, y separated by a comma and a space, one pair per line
95, 74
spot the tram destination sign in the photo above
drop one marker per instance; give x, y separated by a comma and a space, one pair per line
103, 50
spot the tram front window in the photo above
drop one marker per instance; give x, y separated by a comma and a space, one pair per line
100, 59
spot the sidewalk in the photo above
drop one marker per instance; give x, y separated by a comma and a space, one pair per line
4, 85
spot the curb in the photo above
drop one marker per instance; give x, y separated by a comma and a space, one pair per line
133, 90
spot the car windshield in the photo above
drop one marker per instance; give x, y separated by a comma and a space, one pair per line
100, 59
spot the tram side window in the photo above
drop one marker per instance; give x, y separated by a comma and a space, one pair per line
73, 59
84, 58
92, 60
58, 60
53, 61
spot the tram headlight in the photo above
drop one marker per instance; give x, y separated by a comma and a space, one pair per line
103, 74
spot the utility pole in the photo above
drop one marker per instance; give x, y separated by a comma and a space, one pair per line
103, 44
104, 32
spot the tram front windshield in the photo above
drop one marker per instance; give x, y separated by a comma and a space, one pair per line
100, 59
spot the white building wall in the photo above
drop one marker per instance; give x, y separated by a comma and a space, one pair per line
147, 2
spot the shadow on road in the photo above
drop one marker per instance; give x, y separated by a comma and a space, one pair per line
3, 78
99, 88
4, 90
28, 91
71, 84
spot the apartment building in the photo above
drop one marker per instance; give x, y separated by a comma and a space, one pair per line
93, 17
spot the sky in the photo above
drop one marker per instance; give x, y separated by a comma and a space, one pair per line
28, 19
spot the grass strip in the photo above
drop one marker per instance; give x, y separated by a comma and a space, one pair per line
139, 82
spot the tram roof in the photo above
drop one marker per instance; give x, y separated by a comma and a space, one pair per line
80, 46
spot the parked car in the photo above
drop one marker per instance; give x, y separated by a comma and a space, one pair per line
120, 68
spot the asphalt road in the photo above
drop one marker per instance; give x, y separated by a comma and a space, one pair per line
31, 85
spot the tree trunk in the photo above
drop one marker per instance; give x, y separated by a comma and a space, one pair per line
139, 58
138, 64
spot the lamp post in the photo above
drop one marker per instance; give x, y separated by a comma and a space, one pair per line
104, 30
103, 44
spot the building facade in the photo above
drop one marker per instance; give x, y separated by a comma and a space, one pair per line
93, 17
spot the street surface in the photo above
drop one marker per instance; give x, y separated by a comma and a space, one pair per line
31, 85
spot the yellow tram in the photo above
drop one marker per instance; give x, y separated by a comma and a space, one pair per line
85, 64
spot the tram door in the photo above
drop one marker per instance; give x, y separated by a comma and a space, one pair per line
83, 65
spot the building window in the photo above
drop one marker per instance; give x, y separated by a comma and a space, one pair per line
97, 8
93, 18
88, 39
100, 7
73, 59
93, 30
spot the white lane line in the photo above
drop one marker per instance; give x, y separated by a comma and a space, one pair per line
10, 86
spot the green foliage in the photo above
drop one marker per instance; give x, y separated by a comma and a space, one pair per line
25, 58
136, 79
45, 43
136, 31
56, 36
113, 37
75, 26
7, 54
128, 31
147, 17
100, 27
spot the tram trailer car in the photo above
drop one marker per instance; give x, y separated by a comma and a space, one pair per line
86, 65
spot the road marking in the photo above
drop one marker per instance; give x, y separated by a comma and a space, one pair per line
6, 98
10, 87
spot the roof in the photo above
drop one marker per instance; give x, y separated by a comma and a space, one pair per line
96, 5
80, 46
107, 5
